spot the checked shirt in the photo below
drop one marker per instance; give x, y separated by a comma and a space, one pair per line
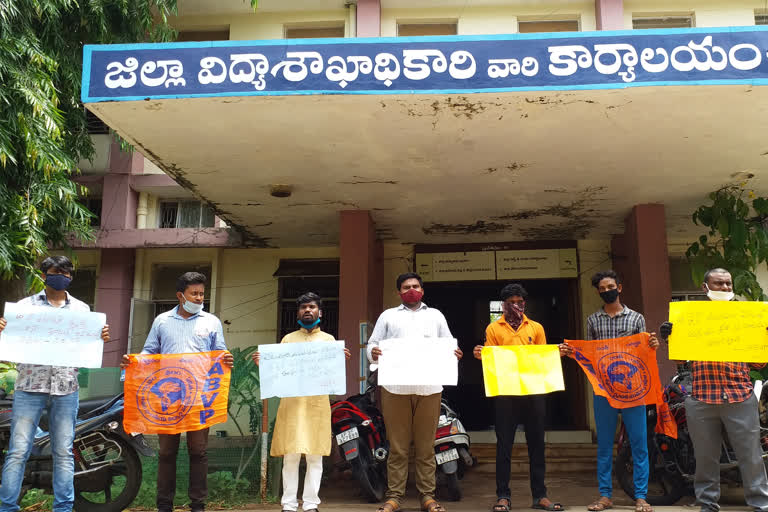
720, 383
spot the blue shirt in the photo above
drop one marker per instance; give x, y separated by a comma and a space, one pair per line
171, 333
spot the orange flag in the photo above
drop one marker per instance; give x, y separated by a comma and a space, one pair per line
173, 393
625, 372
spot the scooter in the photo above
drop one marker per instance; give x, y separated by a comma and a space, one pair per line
358, 427
107, 462
451, 453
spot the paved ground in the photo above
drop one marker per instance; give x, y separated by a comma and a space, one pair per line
574, 491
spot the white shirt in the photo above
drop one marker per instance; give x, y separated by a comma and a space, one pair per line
402, 322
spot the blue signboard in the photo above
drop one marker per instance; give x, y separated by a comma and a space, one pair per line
444, 64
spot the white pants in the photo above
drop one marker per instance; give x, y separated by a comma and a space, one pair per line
312, 479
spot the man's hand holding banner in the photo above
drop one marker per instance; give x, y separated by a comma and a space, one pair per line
625, 372
173, 393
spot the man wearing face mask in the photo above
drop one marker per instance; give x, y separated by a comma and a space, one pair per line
722, 396
615, 320
515, 328
184, 329
41, 387
410, 413
303, 423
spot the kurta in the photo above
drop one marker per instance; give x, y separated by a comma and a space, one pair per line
303, 423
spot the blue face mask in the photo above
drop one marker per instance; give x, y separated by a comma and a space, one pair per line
57, 281
309, 326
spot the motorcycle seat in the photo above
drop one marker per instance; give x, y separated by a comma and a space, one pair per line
87, 409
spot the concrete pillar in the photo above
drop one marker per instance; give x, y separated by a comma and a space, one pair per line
640, 257
360, 284
113, 297
609, 14
368, 18
119, 200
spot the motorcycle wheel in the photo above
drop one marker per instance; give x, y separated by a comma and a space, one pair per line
370, 474
113, 488
448, 487
662, 490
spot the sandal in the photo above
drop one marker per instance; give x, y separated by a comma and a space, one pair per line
432, 505
643, 506
500, 507
555, 506
389, 506
601, 504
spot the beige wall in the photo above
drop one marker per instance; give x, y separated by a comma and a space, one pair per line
265, 25
707, 13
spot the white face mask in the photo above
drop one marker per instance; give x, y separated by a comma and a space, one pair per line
191, 307
718, 295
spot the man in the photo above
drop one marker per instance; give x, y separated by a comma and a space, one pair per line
615, 320
303, 424
410, 413
41, 387
722, 396
515, 328
184, 329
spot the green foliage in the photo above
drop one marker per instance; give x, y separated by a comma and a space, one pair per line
737, 238
8, 374
224, 489
37, 499
43, 130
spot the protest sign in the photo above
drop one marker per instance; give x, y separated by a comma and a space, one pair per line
719, 331
625, 372
52, 336
173, 393
522, 370
302, 369
418, 362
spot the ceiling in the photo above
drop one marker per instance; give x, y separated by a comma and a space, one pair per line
483, 167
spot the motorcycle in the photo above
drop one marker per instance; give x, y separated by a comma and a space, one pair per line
358, 427
107, 465
451, 453
672, 461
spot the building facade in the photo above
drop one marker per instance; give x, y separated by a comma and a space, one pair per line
276, 194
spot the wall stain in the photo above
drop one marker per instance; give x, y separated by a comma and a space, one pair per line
514, 166
362, 180
480, 227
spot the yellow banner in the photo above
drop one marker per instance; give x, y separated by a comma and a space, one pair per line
719, 331
522, 370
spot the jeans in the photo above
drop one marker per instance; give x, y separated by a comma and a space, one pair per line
528, 411
197, 446
62, 413
634, 419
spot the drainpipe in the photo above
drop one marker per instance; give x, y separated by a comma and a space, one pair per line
351, 24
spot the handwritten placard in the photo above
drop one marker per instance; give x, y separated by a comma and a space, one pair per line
302, 369
52, 336
522, 370
719, 331
418, 362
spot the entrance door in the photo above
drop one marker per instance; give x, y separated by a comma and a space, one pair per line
554, 303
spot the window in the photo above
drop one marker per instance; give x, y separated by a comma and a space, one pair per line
84, 285
671, 21
313, 32
427, 29
531, 26
95, 126
221, 34
185, 214
93, 205
296, 277
761, 18
496, 310
164, 285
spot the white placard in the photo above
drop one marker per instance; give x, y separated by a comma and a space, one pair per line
302, 369
52, 336
418, 362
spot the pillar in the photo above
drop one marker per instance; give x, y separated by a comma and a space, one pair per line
360, 285
609, 14
368, 18
641, 258
119, 200
113, 297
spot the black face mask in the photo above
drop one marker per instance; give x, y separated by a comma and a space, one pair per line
610, 296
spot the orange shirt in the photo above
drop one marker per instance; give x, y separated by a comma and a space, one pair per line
501, 333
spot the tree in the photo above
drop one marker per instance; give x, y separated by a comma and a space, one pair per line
737, 238
43, 131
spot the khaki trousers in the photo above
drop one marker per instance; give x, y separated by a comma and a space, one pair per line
410, 418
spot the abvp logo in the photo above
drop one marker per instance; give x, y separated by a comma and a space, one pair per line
167, 395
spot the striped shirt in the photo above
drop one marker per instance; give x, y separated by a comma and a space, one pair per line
602, 326
402, 322
171, 333
54, 380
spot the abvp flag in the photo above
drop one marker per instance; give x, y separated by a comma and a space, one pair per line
625, 372
174, 393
